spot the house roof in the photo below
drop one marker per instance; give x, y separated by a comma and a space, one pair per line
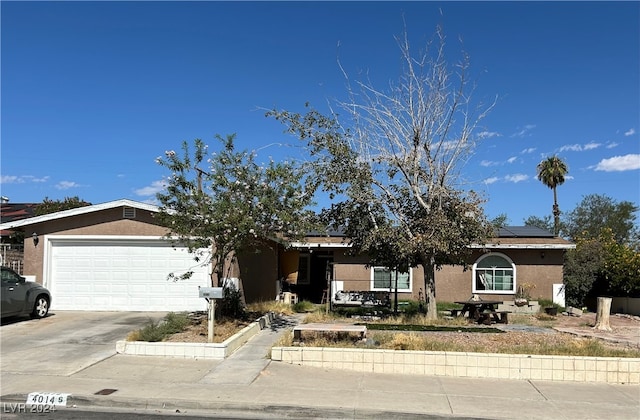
10, 212
78, 211
508, 237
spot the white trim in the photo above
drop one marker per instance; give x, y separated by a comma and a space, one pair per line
523, 246
79, 211
312, 245
372, 285
494, 292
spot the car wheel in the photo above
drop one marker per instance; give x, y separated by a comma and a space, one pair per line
41, 307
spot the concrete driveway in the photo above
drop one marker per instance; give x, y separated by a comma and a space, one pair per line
65, 342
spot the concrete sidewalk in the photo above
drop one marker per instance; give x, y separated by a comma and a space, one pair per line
248, 384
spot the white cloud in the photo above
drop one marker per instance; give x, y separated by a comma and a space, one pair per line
153, 189
487, 163
9, 179
488, 134
611, 145
529, 150
524, 131
14, 179
571, 148
630, 132
619, 163
580, 147
515, 178
65, 185
512, 159
491, 180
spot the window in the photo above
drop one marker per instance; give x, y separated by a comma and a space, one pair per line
384, 279
494, 273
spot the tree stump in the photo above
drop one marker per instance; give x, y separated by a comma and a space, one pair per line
602, 314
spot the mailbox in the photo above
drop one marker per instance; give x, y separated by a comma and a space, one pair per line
211, 292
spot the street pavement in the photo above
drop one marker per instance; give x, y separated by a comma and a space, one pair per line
248, 385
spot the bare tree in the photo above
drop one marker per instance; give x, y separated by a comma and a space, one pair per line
397, 158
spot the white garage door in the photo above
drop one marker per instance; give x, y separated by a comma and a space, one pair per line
127, 275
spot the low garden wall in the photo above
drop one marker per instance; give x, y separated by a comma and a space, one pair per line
471, 365
214, 351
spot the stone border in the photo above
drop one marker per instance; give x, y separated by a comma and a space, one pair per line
470, 365
216, 351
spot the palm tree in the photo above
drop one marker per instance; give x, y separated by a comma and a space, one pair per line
551, 172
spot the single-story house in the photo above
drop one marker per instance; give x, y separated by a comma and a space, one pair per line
113, 257
518, 255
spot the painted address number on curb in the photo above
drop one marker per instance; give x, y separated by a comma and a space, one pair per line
47, 398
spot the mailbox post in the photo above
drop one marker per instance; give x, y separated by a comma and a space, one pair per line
211, 294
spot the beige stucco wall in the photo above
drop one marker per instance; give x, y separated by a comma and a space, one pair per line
454, 283
259, 273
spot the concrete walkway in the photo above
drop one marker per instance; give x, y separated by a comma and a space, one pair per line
248, 384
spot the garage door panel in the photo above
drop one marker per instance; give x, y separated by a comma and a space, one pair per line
95, 275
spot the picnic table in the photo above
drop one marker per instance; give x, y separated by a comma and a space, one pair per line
482, 311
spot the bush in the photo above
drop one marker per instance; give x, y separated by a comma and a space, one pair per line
304, 306
231, 305
548, 303
155, 331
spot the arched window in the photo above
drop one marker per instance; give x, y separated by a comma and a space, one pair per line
494, 273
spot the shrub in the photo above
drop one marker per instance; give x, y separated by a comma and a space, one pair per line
304, 306
231, 304
155, 331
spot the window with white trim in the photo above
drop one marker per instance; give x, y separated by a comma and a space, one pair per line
383, 278
494, 273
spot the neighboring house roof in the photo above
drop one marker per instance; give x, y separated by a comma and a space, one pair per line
78, 211
10, 212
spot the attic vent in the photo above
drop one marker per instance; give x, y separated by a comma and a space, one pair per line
129, 212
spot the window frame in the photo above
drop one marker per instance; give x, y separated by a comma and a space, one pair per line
475, 270
386, 289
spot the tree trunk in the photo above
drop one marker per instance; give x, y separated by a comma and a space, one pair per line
602, 314
429, 269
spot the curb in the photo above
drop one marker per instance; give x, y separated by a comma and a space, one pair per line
211, 351
249, 410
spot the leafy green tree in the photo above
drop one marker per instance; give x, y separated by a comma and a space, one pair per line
582, 268
551, 172
226, 203
500, 221
52, 206
601, 266
597, 212
395, 162
621, 268
542, 222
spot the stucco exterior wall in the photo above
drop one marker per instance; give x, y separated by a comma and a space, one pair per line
453, 283
259, 273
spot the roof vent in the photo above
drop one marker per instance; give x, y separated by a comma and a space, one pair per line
129, 212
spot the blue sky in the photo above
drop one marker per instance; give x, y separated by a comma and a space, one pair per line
93, 92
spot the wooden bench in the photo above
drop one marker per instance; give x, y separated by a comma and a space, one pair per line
361, 330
